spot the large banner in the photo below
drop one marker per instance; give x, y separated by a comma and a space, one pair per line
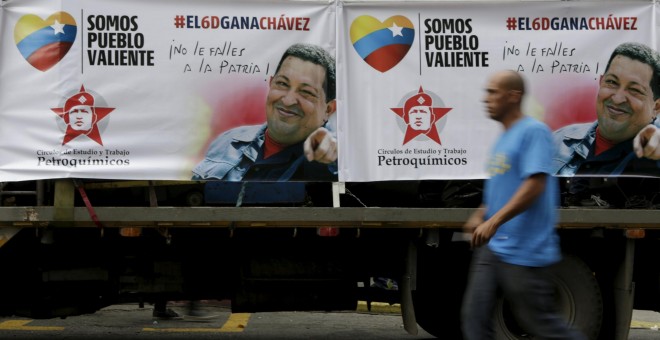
141, 89
315, 90
414, 76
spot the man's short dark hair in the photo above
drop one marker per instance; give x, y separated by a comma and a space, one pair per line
319, 56
514, 81
643, 54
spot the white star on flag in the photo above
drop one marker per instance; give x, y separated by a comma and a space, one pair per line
57, 27
396, 30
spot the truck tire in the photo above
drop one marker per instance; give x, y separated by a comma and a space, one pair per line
578, 296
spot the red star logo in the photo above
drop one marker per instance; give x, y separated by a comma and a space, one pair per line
421, 99
98, 113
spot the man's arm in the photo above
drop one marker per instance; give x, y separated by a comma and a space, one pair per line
475, 219
524, 197
321, 146
647, 143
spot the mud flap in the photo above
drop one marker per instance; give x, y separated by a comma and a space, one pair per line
407, 285
624, 292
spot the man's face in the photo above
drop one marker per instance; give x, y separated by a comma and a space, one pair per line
296, 102
81, 118
420, 118
625, 100
496, 98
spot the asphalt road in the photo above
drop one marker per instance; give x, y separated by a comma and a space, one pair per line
128, 321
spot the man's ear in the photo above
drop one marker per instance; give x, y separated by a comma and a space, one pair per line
656, 107
515, 96
331, 107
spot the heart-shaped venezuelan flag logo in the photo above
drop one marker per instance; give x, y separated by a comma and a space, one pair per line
43, 43
382, 44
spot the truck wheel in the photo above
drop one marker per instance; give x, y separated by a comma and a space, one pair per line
578, 297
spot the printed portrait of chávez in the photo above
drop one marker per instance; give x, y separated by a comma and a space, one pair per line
81, 116
294, 143
625, 138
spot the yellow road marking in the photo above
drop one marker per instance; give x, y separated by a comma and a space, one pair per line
236, 323
20, 325
379, 307
643, 324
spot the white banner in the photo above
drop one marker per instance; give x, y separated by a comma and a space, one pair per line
164, 79
438, 55
119, 89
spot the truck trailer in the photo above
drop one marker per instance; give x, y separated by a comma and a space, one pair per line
320, 250
111, 190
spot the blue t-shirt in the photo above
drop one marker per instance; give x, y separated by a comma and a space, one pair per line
530, 238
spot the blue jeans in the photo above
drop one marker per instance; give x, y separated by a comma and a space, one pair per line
528, 291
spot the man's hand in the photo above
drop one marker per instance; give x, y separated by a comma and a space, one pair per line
647, 143
483, 233
321, 146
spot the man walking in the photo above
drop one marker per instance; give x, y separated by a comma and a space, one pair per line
513, 232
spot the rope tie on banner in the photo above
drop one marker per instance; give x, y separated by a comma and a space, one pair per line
88, 204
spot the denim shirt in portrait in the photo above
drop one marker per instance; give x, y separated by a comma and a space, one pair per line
574, 154
231, 154
237, 153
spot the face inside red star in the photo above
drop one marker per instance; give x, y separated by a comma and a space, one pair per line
81, 117
420, 118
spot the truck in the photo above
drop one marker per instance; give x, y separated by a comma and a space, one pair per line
107, 212
74, 246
